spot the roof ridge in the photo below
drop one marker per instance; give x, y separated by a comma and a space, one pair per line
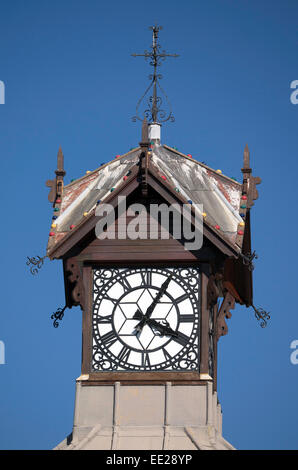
201, 164
101, 167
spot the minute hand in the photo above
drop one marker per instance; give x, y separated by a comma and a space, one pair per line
158, 297
150, 309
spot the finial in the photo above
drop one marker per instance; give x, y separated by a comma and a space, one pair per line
154, 113
246, 162
56, 184
145, 140
249, 182
60, 163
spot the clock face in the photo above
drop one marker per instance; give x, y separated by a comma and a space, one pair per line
146, 319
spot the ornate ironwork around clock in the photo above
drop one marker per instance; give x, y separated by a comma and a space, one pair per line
146, 319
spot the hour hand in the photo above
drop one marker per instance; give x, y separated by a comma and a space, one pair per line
139, 316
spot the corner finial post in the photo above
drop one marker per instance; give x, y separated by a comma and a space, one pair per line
246, 160
56, 184
249, 181
60, 163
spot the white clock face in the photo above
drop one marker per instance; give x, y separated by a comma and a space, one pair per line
146, 319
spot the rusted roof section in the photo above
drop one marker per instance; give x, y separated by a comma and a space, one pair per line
219, 194
81, 196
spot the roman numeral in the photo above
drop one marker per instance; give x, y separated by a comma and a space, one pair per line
124, 354
167, 356
145, 359
181, 298
109, 338
187, 318
111, 299
181, 339
106, 319
146, 277
124, 283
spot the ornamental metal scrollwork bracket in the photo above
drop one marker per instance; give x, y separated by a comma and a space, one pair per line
36, 263
57, 316
248, 259
262, 316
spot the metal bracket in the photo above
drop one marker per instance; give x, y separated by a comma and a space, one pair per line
36, 263
248, 258
57, 316
262, 316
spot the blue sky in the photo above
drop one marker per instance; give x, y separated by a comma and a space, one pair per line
70, 81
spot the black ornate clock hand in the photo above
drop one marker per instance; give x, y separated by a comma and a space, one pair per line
138, 315
150, 309
163, 329
158, 296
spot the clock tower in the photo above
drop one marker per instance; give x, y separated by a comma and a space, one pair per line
154, 298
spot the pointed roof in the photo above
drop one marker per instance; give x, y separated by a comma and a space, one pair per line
219, 194
188, 179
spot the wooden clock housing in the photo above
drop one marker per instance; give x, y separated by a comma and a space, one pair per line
155, 174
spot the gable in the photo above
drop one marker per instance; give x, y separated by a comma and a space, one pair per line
82, 241
176, 179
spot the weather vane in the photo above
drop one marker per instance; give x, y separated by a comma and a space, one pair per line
154, 113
